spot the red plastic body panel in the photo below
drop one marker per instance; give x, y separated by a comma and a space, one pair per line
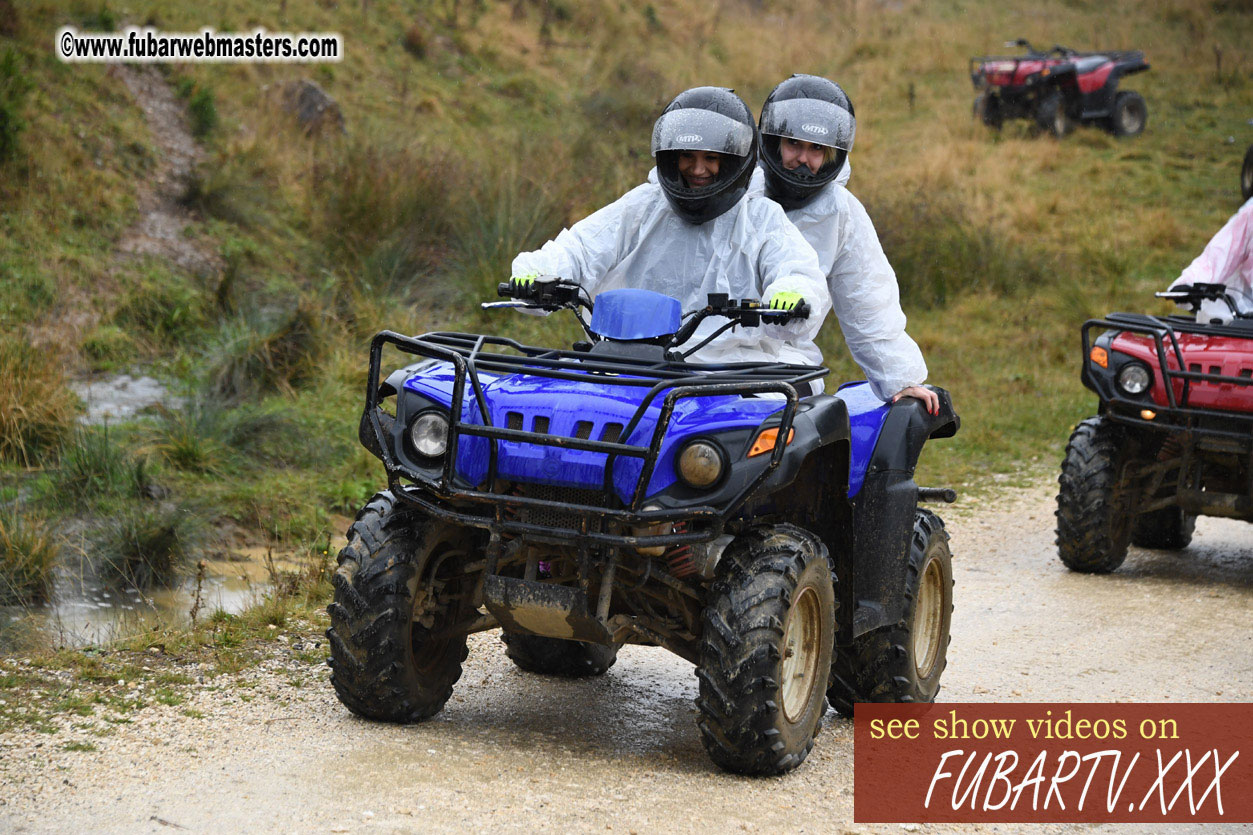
1225, 355
1095, 80
1010, 73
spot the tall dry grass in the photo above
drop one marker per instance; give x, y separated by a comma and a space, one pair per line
29, 549
37, 408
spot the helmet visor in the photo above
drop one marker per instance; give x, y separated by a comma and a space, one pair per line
693, 129
810, 120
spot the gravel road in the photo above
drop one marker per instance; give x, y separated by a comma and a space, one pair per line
275, 752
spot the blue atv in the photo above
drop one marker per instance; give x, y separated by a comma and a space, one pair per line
615, 493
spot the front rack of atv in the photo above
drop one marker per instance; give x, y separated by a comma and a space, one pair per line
1178, 412
471, 354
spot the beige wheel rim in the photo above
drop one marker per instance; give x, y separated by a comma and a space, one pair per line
802, 642
929, 618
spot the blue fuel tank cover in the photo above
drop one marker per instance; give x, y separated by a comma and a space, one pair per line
628, 314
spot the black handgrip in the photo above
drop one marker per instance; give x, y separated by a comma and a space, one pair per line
504, 289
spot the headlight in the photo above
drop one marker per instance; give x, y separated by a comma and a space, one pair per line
701, 464
429, 434
1134, 378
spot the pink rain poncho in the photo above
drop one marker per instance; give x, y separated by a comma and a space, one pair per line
1226, 259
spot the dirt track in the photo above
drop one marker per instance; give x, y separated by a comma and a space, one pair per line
522, 753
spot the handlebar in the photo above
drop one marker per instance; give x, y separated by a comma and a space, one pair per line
1194, 294
548, 292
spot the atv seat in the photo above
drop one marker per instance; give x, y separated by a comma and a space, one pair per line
1088, 63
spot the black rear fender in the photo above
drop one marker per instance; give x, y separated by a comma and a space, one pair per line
883, 511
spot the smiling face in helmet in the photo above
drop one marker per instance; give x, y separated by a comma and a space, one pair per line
705, 145
699, 168
794, 153
807, 128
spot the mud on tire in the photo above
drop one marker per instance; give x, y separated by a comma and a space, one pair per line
385, 664
1093, 517
765, 651
558, 656
904, 662
1168, 529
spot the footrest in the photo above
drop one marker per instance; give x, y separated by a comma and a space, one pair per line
542, 609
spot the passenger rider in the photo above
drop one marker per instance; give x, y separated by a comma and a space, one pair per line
807, 127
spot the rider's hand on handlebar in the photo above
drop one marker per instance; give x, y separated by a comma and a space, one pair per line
522, 286
786, 300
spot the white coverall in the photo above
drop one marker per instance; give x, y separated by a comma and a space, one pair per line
749, 251
1226, 259
862, 285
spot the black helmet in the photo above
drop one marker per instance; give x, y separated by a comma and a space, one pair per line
705, 119
813, 109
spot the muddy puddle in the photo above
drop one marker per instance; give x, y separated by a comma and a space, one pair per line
86, 612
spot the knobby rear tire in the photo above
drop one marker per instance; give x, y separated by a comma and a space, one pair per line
903, 662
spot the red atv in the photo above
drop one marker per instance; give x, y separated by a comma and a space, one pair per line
1059, 88
1174, 437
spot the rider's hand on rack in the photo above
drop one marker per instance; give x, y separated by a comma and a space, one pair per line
929, 398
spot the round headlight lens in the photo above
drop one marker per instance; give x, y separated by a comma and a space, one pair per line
1134, 378
701, 464
429, 434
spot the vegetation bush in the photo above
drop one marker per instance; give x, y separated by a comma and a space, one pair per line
203, 434
202, 111
162, 305
146, 544
940, 252
255, 355
93, 466
385, 213
37, 408
14, 85
236, 186
28, 554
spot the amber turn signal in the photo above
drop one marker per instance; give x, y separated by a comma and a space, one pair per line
767, 440
1148, 414
1099, 356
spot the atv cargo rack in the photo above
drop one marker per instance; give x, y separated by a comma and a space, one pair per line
1178, 412
472, 354
1133, 58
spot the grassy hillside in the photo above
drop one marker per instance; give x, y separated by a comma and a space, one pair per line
475, 129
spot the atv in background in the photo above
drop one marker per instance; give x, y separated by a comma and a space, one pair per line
1059, 88
1246, 175
616, 493
1173, 438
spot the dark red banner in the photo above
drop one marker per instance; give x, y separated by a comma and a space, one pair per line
1037, 763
